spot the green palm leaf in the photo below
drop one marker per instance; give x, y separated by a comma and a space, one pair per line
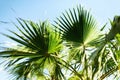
77, 25
79, 31
36, 43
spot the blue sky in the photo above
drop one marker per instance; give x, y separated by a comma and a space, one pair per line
36, 10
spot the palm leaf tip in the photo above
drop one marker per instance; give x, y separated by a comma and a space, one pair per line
115, 29
77, 25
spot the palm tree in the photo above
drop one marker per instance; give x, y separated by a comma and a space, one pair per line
72, 47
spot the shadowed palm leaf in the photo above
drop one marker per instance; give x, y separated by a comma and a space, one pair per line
79, 29
78, 25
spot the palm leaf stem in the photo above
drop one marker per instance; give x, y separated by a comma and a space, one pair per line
108, 73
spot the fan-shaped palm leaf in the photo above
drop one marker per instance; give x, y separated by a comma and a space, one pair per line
32, 55
79, 28
78, 25
79, 31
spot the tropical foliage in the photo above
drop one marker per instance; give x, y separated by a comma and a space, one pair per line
71, 49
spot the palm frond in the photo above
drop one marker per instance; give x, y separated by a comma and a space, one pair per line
36, 42
77, 25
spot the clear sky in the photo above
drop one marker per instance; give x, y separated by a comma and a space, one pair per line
36, 10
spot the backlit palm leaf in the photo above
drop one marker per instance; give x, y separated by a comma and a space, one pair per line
36, 44
112, 60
